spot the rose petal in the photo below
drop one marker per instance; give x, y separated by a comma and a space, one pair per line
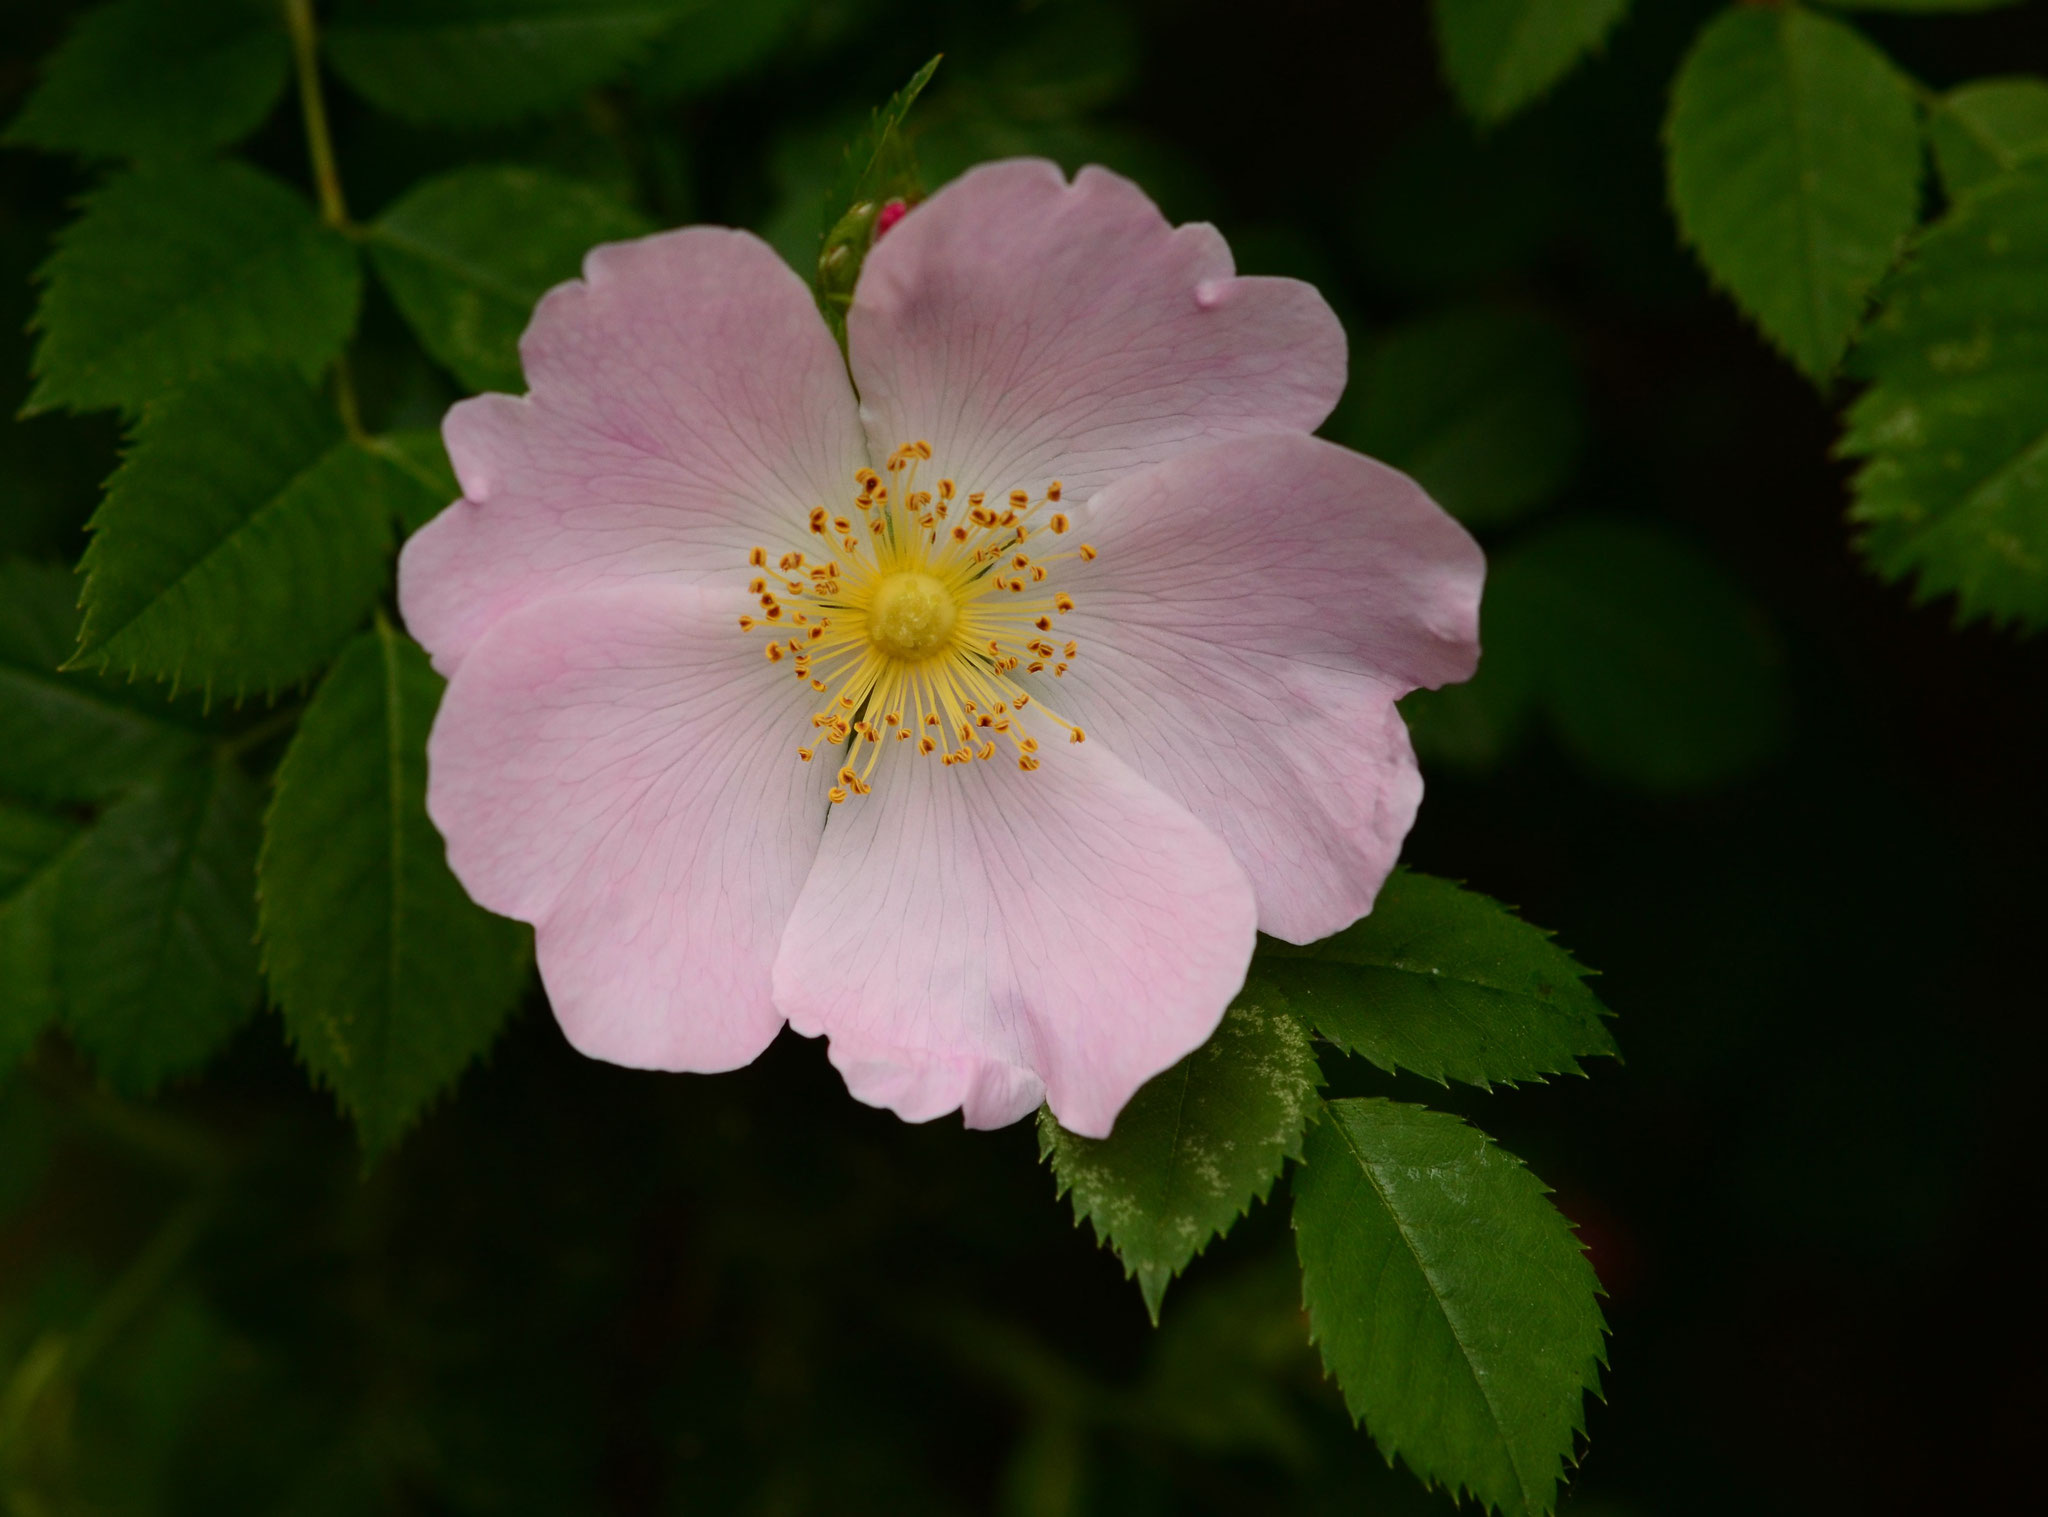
688, 404
619, 768
1030, 330
1255, 610
971, 933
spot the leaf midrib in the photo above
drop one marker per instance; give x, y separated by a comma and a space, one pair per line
229, 280
73, 693
1529, 1501
1802, 200
99, 642
383, 235
394, 797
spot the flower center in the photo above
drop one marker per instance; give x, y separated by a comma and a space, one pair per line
923, 622
912, 615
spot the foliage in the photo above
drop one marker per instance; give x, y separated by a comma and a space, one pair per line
1640, 656
144, 78
177, 269
1194, 1148
878, 168
478, 62
1445, 983
1481, 405
1795, 171
465, 257
1954, 427
390, 979
1501, 54
744, 1293
242, 539
1450, 1300
1980, 130
154, 930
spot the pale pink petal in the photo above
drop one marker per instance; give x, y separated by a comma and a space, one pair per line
972, 934
1255, 610
688, 403
619, 768
1032, 329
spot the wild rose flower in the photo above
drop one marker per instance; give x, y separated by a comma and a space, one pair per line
972, 715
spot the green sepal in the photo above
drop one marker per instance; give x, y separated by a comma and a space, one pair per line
879, 167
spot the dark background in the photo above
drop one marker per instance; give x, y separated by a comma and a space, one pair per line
581, 1289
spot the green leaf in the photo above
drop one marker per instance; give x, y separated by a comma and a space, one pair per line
465, 257
69, 736
1501, 54
1651, 666
1445, 983
1483, 407
1451, 1301
1980, 130
1954, 426
713, 44
878, 167
33, 847
156, 930
1794, 163
241, 541
177, 269
143, 78
390, 979
483, 62
1193, 1148
428, 480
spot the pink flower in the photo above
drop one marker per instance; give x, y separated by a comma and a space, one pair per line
974, 722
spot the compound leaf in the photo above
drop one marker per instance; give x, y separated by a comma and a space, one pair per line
155, 925
177, 269
1451, 1301
1501, 54
391, 980
1794, 161
142, 78
241, 541
1954, 426
1194, 1147
465, 257
1445, 983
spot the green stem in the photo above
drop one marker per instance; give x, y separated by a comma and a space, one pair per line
298, 15
276, 723
59, 1358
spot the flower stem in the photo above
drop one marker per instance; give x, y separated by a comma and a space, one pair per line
298, 15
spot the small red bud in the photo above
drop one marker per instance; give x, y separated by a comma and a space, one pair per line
891, 213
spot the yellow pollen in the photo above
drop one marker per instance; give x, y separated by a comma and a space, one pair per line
912, 615
918, 625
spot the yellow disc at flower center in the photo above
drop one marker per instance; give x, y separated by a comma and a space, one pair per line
911, 616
